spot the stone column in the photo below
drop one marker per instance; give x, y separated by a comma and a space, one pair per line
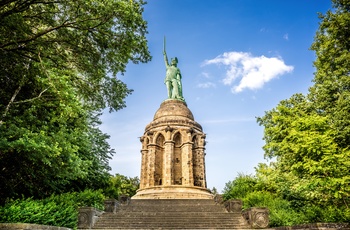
167, 162
144, 168
201, 150
186, 153
151, 165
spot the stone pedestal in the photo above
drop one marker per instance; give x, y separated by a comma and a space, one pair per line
233, 205
173, 192
257, 217
173, 156
87, 217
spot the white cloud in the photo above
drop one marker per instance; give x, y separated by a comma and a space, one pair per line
206, 85
252, 72
286, 37
205, 75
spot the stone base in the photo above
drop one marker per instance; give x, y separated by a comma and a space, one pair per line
173, 192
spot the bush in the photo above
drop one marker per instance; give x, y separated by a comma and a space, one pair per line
239, 187
328, 214
57, 210
281, 211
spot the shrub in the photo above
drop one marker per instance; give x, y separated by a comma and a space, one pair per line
239, 187
57, 210
329, 214
281, 211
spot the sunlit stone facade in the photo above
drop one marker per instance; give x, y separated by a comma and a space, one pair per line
173, 155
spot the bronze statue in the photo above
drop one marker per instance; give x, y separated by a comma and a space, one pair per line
173, 77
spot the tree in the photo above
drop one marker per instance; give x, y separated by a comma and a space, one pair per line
331, 91
92, 39
309, 136
239, 187
122, 185
303, 143
59, 65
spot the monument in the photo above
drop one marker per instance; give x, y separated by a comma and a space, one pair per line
173, 190
173, 148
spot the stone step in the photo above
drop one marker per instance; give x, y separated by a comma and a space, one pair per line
213, 220
180, 226
172, 222
173, 205
171, 214
162, 217
175, 227
172, 225
173, 210
172, 201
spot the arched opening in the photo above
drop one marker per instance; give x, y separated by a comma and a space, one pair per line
177, 160
158, 161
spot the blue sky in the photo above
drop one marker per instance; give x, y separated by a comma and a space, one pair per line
238, 59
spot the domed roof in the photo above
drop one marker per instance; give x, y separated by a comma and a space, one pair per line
171, 108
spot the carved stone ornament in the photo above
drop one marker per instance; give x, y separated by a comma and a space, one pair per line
87, 217
233, 205
111, 205
218, 199
168, 129
257, 217
124, 200
190, 130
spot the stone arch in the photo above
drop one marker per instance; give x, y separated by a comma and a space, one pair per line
195, 141
159, 139
158, 161
177, 160
145, 142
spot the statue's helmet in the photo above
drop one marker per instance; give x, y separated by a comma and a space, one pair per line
174, 60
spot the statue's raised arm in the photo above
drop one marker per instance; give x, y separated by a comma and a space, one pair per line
164, 53
173, 77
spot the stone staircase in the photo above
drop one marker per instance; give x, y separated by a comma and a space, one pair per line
171, 214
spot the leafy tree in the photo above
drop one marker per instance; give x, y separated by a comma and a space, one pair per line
239, 187
91, 39
59, 62
122, 185
331, 92
305, 146
309, 135
214, 191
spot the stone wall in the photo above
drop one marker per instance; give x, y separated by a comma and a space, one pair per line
20, 226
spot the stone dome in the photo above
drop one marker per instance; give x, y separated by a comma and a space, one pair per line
173, 108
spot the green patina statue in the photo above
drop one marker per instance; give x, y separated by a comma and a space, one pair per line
173, 77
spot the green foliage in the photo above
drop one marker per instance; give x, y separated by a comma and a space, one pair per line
122, 185
214, 191
280, 210
305, 147
308, 139
40, 212
56, 210
239, 187
59, 62
286, 206
309, 136
329, 214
